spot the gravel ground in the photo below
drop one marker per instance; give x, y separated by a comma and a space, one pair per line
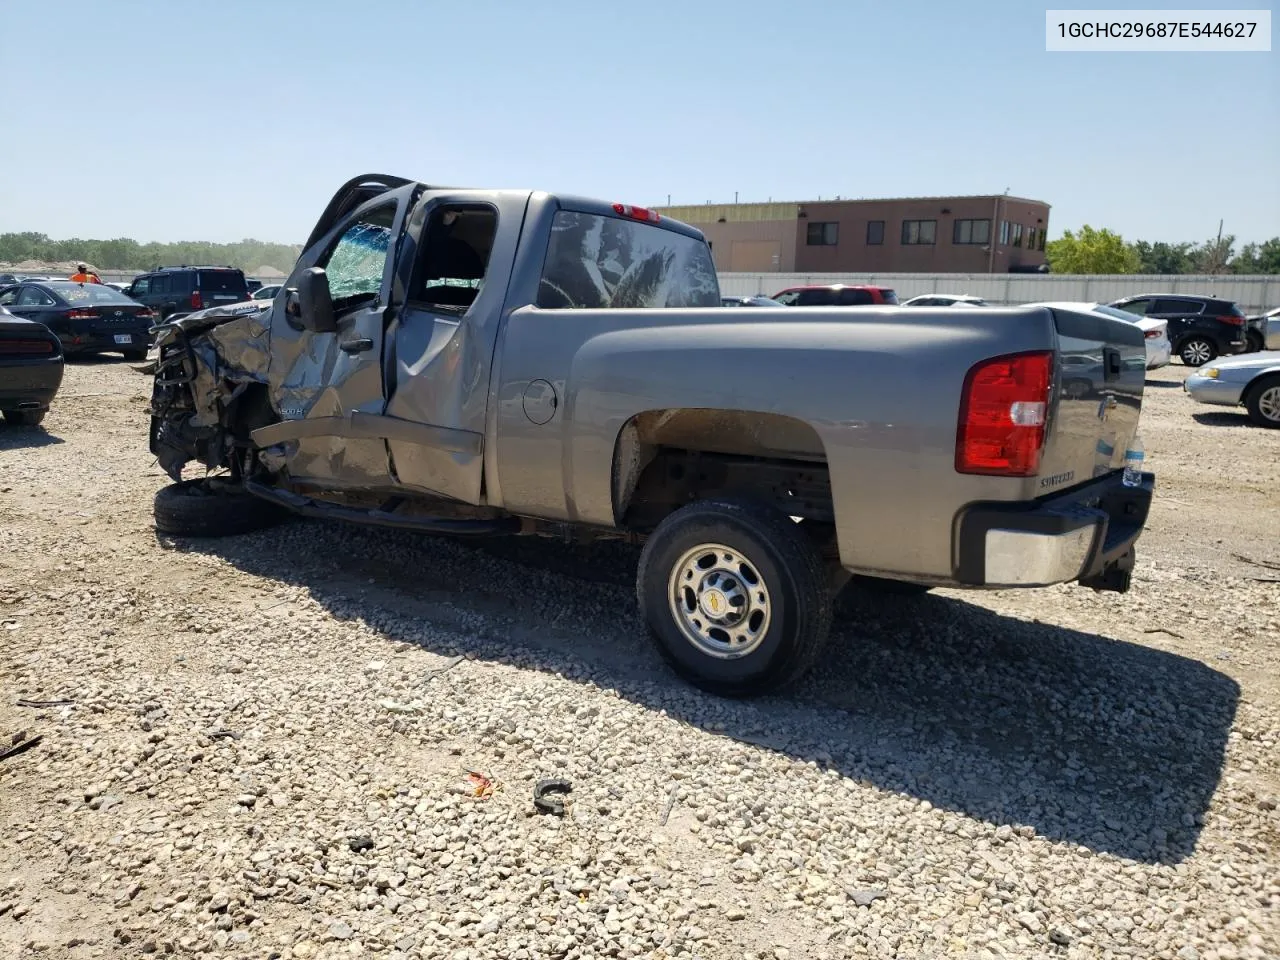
321, 741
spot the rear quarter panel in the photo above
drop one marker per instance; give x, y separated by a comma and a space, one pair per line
880, 386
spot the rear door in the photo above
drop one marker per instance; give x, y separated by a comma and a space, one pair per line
1097, 397
1183, 316
329, 386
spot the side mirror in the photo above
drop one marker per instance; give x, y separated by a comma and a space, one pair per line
315, 302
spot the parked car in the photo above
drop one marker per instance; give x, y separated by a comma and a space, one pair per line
8, 279
1251, 381
548, 370
267, 292
836, 295
252, 285
1200, 328
176, 291
757, 301
944, 300
1256, 329
30, 369
1155, 333
87, 317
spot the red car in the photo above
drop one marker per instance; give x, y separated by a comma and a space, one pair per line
837, 295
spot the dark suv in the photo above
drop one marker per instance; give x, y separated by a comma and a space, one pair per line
1200, 328
174, 292
836, 295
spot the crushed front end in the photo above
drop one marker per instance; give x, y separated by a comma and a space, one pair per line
209, 363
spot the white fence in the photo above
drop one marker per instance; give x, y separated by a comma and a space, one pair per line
1253, 293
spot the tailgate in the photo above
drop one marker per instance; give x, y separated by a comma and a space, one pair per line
1098, 396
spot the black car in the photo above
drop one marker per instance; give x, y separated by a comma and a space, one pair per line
1200, 328
30, 369
87, 317
173, 292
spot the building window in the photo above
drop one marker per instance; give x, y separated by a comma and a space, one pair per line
1031, 238
918, 231
971, 231
823, 234
875, 232
1042, 233
1017, 234
1004, 233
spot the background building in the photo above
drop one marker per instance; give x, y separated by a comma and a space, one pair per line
910, 235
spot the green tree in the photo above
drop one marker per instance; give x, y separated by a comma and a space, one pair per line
1258, 257
1091, 251
1212, 256
123, 253
1161, 257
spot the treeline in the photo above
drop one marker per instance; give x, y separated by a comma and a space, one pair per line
126, 254
1104, 251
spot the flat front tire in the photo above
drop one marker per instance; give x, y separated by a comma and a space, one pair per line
212, 507
735, 595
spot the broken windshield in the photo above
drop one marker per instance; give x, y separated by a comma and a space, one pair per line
356, 265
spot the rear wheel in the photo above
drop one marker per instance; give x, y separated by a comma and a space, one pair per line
212, 507
1197, 351
1255, 341
735, 595
1263, 402
24, 418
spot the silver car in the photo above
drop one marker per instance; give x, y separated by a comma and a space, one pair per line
1251, 380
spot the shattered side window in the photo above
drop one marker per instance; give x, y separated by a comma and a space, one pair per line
605, 262
357, 263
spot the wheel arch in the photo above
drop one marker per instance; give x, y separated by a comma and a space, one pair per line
759, 435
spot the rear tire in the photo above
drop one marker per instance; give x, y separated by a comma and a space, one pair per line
1197, 351
1263, 402
212, 507
1255, 341
24, 418
757, 566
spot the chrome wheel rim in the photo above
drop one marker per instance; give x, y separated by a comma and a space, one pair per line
1269, 403
1196, 352
719, 601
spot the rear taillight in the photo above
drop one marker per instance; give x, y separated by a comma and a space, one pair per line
82, 314
26, 346
1233, 320
1153, 334
146, 313
1003, 409
197, 302
636, 213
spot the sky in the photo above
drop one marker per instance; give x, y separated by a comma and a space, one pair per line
170, 121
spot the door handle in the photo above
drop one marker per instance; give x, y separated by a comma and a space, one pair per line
1111, 359
356, 346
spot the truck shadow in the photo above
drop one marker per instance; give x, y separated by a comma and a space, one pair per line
1111, 745
17, 438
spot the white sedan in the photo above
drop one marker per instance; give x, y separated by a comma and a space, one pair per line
944, 300
1155, 332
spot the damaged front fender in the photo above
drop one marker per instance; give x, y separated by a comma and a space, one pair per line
207, 361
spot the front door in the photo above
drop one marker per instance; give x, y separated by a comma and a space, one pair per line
328, 386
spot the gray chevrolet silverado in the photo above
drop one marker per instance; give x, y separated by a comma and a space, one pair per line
480, 362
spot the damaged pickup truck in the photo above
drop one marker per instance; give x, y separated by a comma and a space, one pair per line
479, 362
